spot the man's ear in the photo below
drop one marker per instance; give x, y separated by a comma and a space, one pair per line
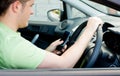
16, 6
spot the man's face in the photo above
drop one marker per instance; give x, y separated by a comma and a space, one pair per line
26, 11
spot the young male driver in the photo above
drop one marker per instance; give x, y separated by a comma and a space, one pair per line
16, 52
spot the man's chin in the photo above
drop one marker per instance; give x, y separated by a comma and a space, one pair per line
25, 25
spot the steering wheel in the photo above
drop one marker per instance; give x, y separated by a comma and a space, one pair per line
97, 47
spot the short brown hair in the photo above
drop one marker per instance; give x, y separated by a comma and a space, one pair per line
4, 5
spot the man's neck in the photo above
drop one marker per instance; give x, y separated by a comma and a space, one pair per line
9, 22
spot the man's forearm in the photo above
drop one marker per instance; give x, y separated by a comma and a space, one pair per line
77, 49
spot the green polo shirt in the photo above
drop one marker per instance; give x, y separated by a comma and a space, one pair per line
17, 52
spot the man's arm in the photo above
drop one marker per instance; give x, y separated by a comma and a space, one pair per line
69, 58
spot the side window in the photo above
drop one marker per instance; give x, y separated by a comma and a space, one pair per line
102, 8
41, 7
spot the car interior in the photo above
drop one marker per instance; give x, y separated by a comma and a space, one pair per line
102, 51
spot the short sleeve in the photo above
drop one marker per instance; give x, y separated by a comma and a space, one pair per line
26, 55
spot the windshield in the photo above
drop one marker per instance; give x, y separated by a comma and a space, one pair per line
102, 8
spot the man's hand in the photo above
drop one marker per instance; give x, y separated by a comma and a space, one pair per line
93, 23
53, 45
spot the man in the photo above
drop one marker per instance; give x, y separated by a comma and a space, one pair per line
16, 52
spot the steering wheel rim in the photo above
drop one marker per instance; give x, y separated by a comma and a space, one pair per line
98, 43
96, 50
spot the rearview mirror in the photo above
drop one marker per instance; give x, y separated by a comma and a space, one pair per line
54, 14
